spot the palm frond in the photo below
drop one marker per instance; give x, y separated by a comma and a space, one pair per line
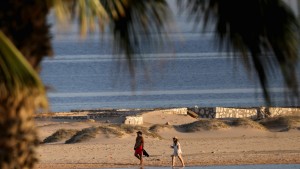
17, 77
88, 12
134, 23
256, 29
137, 24
61, 9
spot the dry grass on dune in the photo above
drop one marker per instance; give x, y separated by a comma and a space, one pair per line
108, 130
83, 135
245, 123
75, 136
203, 124
59, 135
90, 133
156, 127
128, 128
217, 124
282, 123
132, 129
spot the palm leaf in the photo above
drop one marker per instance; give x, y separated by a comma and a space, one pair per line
133, 22
17, 77
256, 29
138, 24
88, 12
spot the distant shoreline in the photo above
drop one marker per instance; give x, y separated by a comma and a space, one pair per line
255, 113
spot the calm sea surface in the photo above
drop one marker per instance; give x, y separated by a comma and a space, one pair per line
191, 71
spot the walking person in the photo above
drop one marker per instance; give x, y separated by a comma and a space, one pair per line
139, 146
177, 152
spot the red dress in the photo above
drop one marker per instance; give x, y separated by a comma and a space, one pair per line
139, 145
139, 150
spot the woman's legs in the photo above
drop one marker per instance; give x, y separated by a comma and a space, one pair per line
181, 160
140, 157
141, 160
137, 156
173, 160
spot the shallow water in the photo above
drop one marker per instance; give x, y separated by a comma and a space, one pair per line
268, 166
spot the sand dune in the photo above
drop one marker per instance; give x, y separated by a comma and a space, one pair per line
205, 143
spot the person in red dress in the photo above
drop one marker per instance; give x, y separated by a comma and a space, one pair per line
139, 146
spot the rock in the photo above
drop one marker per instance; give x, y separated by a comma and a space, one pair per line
202, 112
91, 120
168, 123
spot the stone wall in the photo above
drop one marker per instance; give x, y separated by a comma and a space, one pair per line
101, 115
224, 112
281, 111
70, 117
182, 111
134, 120
254, 113
134, 117
62, 117
205, 112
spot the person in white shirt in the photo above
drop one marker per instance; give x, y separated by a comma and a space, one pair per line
177, 152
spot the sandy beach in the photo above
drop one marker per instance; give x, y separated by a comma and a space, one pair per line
111, 144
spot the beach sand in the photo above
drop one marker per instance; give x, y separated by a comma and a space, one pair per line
223, 146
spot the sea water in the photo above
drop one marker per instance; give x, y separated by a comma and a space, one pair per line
190, 71
83, 75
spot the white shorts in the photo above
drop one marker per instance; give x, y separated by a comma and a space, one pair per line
176, 153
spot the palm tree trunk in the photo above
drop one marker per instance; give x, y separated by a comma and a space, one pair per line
18, 134
25, 24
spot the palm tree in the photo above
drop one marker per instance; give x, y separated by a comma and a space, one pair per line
268, 27
263, 31
25, 40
